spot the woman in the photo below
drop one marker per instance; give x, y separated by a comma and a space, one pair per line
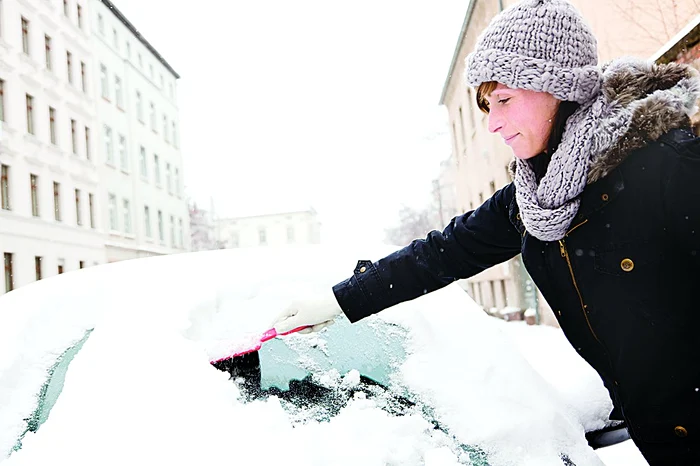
604, 208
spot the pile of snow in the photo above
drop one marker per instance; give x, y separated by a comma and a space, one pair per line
142, 389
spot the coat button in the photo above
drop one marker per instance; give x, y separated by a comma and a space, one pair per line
680, 431
363, 269
517, 216
627, 265
605, 197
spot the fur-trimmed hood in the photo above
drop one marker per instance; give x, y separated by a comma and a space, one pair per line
640, 102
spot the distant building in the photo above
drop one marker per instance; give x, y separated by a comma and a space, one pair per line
275, 229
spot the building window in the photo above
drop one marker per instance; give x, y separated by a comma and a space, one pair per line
262, 236
47, 46
83, 76
168, 179
123, 155
150, 67
147, 221
128, 50
162, 81
9, 277
65, 8
33, 182
91, 206
161, 229
115, 39
88, 153
139, 106
153, 117
140, 61
290, 234
143, 163
127, 216
57, 201
177, 182
109, 147
113, 220
170, 87
81, 264
100, 24
52, 125
25, 35
118, 91
69, 66
166, 133
79, 9
104, 80
61, 266
30, 114
2, 100
78, 215
5, 187
156, 162
74, 136
37, 268
175, 139
172, 231
181, 235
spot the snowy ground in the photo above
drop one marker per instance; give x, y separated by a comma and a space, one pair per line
142, 391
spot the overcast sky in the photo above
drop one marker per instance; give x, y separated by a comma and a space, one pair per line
289, 104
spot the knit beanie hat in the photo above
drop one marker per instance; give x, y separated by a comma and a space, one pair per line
540, 45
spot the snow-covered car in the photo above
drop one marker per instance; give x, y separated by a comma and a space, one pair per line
113, 365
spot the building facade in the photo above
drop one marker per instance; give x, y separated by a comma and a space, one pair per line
140, 163
49, 188
60, 168
637, 28
278, 229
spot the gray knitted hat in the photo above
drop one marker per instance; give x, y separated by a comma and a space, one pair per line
541, 45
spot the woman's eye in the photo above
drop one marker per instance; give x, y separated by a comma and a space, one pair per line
502, 101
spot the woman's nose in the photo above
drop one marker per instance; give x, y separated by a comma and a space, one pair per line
495, 121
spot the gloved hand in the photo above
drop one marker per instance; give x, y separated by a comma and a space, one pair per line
316, 311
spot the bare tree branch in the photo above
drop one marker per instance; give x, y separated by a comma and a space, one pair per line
633, 20
663, 20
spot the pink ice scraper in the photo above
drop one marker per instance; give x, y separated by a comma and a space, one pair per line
255, 346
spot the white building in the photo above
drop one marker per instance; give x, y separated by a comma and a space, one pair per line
90, 165
49, 216
140, 163
278, 229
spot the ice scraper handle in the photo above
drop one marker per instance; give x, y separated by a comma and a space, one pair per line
272, 333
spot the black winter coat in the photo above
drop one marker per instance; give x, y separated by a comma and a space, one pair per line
623, 283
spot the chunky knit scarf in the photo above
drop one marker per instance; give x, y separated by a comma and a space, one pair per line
609, 126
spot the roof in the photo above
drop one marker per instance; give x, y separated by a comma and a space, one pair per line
455, 55
685, 39
138, 35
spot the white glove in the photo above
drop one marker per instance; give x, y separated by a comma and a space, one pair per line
316, 311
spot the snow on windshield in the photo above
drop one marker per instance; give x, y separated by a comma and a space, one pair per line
142, 390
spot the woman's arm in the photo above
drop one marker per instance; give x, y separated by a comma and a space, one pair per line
470, 244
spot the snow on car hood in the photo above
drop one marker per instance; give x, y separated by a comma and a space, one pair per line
142, 389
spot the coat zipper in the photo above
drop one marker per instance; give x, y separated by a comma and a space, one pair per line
565, 255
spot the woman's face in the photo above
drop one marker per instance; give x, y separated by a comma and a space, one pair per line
523, 118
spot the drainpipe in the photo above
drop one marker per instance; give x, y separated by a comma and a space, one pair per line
500, 5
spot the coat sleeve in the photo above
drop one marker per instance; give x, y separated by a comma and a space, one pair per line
470, 244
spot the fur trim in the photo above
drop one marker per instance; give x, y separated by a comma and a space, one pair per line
659, 97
